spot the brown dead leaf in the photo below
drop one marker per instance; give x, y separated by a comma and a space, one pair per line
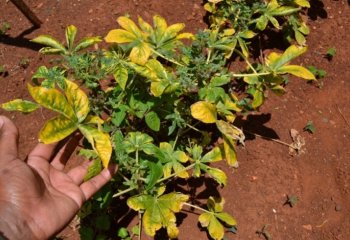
298, 142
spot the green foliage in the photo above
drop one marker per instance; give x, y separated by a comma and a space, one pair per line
4, 27
318, 73
169, 108
310, 127
331, 52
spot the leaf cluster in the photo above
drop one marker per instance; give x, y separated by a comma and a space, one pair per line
161, 109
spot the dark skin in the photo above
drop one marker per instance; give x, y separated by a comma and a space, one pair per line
37, 198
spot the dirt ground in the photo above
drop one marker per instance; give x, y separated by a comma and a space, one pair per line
258, 189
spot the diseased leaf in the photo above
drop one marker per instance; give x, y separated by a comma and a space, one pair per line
230, 131
204, 111
298, 71
71, 32
277, 61
140, 53
87, 42
50, 41
159, 211
52, 99
94, 169
20, 105
230, 152
215, 228
77, 99
57, 129
100, 142
121, 76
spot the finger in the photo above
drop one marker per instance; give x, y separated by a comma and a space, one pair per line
78, 173
42, 152
64, 152
8, 139
90, 187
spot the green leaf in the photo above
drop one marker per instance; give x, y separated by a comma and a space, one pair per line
310, 127
52, 99
87, 42
100, 142
57, 129
94, 169
213, 156
258, 98
218, 81
137, 141
204, 111
156, 172
153, 121
50, 42
20, 105
71, 32
159, 211
331, 53
298, 71
122, 232
121, 76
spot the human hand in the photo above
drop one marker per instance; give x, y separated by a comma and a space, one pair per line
37, 199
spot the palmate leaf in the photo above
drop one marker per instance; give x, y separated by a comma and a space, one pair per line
213, 219
159, 211
20, 105
172, 160
137, 141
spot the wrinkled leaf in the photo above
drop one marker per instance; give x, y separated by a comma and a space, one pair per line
57, 129
20, 105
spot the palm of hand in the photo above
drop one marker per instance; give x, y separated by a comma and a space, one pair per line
37, 192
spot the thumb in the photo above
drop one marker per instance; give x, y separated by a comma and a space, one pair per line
8, 140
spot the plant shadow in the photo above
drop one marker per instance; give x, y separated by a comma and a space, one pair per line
254, 124
317, 10
20, 40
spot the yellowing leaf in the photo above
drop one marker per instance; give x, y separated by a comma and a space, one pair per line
227, 218
20, 105
51, 42
57, 129
159, 211
52, 99
185, 35
121, 76
230, 152
129, 26
213, 156
100, 142
120, 36
215, 228
258, 98
140, 53
77, 99
204, 111
302, 3
230, 131
218, 175
71, 32
298, 71
291, 53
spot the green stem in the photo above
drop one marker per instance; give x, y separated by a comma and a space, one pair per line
177, 137
192, 127
246, 60
209, 55
251, 74
123, 192
168, 59
176, 173
196, 207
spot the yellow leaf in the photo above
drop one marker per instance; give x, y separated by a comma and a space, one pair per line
230, 152
215, 228
218, 175
185, 35
129, 26
120, 36
157, 88
100, 142
52, 99
140, 53
57, 129
77, 99
159, 24
298, 71
230, 131
145, 26
204, 111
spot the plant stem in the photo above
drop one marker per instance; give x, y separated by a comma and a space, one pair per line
168, 59
196, 207
192, 127
209, 55
273, 139
251, 74
123, 192
176, 173
246, 60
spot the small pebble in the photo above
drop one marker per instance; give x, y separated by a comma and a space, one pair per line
338, 208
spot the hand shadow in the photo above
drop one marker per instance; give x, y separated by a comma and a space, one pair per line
20, 40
